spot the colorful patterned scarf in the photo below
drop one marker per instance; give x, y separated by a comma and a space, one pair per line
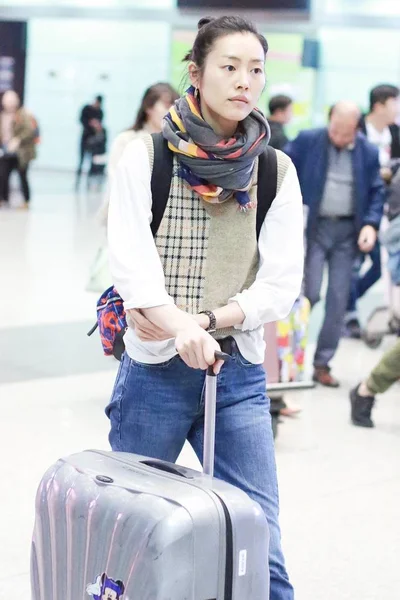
215, 167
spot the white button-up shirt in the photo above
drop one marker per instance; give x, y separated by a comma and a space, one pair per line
138, 275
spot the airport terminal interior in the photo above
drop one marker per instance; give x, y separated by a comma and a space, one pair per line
339, 484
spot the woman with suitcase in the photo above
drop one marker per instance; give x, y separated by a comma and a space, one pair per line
205, 281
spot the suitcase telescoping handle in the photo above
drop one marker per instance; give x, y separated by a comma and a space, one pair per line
209, 428
210, 416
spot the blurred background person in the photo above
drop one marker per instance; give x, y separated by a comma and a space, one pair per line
381, 130
387, 371
280, 114
339, 174
380, 127
17, 145
89, 114
280, 109
97, 147
156, 102
381, 378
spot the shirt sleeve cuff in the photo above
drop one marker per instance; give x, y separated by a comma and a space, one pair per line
148, 301
372, 224
250, 316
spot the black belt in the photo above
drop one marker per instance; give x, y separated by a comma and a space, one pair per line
227, 345
339, 218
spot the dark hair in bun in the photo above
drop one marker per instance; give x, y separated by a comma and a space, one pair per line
204, 21
210, 30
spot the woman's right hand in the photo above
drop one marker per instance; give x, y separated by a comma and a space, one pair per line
13, 145
197, 348
194, 345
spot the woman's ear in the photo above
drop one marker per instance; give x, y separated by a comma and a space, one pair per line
194, 74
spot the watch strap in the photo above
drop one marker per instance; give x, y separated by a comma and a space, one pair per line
213, 321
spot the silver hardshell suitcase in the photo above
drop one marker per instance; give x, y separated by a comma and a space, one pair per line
113, 526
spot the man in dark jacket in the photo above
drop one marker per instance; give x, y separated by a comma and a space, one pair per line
339, 176
379, 124
281, 113
380, 128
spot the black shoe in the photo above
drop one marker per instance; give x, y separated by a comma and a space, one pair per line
361, 408
353, 329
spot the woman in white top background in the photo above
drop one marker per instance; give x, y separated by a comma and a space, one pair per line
206, 280
156, 102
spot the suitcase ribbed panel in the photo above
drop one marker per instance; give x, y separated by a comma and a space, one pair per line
72, 519
164, 536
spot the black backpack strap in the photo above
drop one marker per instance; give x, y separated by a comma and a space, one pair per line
160, 179
266, 185
162, 175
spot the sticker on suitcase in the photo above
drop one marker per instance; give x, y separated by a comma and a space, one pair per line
105, 588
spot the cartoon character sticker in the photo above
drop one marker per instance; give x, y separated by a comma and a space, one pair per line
106, 589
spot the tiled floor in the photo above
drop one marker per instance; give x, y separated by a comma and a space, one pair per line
340, 486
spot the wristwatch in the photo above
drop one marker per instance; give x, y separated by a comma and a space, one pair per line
213, 321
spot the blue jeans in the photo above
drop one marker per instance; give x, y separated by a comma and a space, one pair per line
155, 408
333, 243
360, 285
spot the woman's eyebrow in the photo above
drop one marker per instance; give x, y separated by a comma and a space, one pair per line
254, 60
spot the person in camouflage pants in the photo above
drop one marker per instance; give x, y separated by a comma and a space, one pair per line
382, 377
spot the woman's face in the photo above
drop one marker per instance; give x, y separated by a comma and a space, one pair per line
10, 101
156, 114
232, 82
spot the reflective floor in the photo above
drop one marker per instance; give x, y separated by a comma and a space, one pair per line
340, 486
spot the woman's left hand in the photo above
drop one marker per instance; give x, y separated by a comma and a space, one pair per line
145, 329
148, 332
